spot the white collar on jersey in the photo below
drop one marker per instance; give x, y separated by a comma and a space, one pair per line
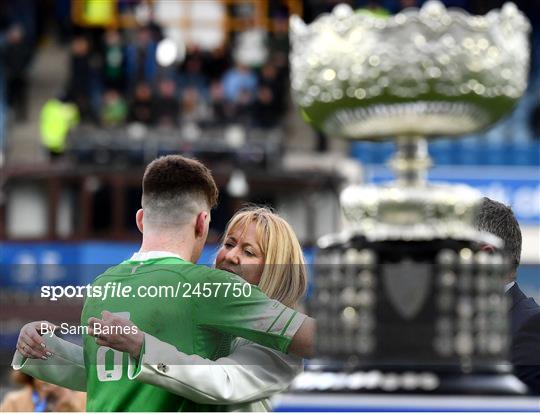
142, 256
508, 286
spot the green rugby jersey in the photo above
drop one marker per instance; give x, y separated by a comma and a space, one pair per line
193, 323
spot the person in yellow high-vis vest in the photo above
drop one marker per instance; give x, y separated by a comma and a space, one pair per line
57, 118
98, 12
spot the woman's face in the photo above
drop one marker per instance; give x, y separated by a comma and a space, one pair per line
242, 255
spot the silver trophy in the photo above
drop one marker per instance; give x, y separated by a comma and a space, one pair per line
404, 290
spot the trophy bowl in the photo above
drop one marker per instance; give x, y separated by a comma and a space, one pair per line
428, 71
405, 290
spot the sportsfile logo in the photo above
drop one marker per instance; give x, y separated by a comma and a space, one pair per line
119, 290
109, 290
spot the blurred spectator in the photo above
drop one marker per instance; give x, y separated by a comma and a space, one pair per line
266, 108
39, 396
98, 13
58, 116
216, 63
80, 83
10, 34
113, 75
239, 80
141, 108
155, 28
143, 13
62, 17
281, 63
114, 109
241, 110
20, 56
218, 105
278, 46
279, 40
167, 107
191, 72
269, 78
194, 109
141, 65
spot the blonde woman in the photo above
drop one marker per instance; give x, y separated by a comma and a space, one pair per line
262, 248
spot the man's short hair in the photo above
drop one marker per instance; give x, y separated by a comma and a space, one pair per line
175, 188
498, 219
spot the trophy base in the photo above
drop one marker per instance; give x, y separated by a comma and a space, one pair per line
403, 381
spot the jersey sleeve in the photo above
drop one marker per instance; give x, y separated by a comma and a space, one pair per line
251, 372
245, 311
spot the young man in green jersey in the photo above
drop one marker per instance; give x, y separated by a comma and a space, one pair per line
178, 194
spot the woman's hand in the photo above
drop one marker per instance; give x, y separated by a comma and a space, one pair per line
30, 343
116, 333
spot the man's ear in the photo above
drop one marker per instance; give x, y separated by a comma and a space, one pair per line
488, 248
200, 223
139, 219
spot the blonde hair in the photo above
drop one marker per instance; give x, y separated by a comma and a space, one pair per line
284, 276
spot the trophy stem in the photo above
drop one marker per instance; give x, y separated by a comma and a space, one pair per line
411, 162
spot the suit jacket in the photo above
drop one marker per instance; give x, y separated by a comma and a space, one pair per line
525, 331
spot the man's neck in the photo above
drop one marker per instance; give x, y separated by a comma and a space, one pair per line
510, 277
181, 248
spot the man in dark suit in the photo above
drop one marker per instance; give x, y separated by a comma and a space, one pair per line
498, 219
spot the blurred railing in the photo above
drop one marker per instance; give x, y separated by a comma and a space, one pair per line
138, 145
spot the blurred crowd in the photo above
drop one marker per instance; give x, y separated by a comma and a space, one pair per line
116, 78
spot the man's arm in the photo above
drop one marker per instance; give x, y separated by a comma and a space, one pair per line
253, 316
236, 308
125, 340
303, 341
